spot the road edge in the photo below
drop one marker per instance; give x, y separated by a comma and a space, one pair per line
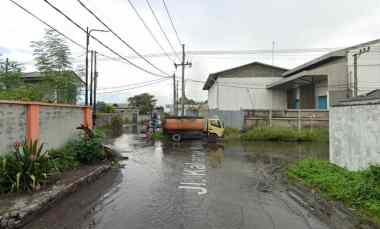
19, 217
334, 213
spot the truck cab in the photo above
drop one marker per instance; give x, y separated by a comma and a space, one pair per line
215, 128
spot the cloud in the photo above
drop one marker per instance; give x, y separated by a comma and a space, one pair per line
202, 25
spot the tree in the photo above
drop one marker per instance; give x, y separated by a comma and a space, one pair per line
52, 56
52, 53
144, 102
188, 101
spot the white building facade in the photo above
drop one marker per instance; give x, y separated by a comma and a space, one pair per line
244, 88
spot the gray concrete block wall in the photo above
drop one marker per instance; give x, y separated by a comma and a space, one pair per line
355, 136
12, 125
58, 125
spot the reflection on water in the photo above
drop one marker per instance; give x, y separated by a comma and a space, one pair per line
267, 152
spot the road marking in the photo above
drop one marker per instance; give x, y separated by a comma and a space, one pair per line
194, 176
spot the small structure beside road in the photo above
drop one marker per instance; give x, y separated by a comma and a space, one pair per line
355, 132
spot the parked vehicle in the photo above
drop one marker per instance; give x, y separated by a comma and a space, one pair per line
179, 128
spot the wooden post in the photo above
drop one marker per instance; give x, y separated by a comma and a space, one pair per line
299, 119
270, 118
33, 122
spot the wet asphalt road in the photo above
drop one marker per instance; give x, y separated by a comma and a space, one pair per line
189, 185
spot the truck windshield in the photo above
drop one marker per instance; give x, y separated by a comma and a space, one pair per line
215, 123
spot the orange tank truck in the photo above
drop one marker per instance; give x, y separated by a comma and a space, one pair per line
179, 128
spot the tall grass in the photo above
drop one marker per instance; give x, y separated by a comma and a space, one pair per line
360, 190
286, 135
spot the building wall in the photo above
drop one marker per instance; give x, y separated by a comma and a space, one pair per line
52, 124
234, 93
355, 136
368, 70
12, 125
58, 125
321, 89
307, 97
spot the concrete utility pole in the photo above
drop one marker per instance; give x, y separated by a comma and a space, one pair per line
6, 65
95, 87
183, 65
355, 74
86, 80
91, 76
88, 34
174, 96
356, 56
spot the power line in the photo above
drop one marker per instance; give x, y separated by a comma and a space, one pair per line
103, 44
48, 25
136, 87
128, 85
59, 32
121, 39
161, 28
150, 31
171, 22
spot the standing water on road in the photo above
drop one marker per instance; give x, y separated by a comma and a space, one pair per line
194, 185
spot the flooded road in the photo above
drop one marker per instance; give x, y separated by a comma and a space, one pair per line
190, 185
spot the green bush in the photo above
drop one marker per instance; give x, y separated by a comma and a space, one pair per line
25, 169
360, 190
89, 150
64, 158
116, 125
231, 133
285, 134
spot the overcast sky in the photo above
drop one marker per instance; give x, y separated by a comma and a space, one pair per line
202, 25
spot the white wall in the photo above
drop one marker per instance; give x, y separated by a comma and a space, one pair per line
355, 136
245, 93
368, 69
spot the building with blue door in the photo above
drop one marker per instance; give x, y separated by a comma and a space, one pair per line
317, 84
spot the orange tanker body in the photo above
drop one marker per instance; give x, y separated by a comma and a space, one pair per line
183, 124
178, 128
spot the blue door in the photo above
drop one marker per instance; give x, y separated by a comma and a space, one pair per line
322, 102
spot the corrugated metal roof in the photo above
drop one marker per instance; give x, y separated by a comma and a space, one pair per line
322, 59
213, 76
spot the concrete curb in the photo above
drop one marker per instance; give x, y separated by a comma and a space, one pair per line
333, 213
25, 210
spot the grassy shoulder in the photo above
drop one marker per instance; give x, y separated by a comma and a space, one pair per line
278, 134
358, 190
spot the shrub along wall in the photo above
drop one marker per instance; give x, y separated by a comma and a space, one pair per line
53, 124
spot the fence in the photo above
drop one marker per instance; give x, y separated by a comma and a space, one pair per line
303, 118
52, 124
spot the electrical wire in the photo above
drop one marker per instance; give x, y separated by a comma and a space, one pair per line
150, 31
128, 85
162, 29
118, 36
48, 25
127, 89
104, 45
172, 22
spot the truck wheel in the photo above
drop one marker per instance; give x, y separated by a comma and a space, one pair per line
176, 137
212, 137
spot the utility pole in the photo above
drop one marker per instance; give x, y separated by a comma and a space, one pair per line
95, 87
356, 55
355, 74
174, 97
86, 80
183, 65
91, 76
6, 65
